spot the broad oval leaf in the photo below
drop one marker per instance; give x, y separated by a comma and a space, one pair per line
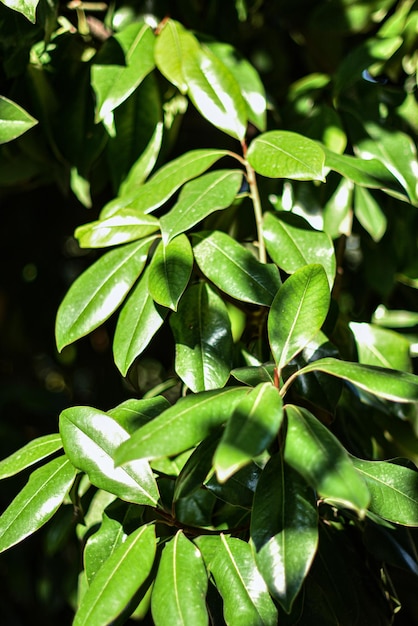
118, 580
179, 592
284, 530
139, 320
170, 270
234, 269
169, 53
202, 332
98, 292
14, 120
199, 198
91, 437
124, 226
385, 383
284, 154
313, 451
182, 426
393, 490
246, 599
298, 312
249, 431
37, 502
31, 453
292, 243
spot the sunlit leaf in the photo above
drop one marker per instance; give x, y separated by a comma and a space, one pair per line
14, 120
369, 213
133, 413
170, 270
125, 226
31, 453
169, 53
382, 347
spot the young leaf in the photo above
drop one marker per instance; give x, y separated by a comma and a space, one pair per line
202, 333
385, 383
199, 198
91, 437
313, 451
292, 243
117, 581
14, 121
98, 292
125, 226
31, 453
234, 269
37, 502
246, 599
169, 53
120, 66
179, 592
393, 490
182, 426
284, 530
284, 154
138, 321
249, 431
298, 312
170, 270
369, 213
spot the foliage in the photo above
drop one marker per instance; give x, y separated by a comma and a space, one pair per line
269, 476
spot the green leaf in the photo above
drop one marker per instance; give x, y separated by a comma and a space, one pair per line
284, 530
284, 154
196, 468
98, 292
144, 165
249, 431
385, 383
91, 438
31, 453
169, 53
14, 120
124, 226
101, 545
139, 320
382, 347
25, 7
246, 599
121, 65
292, 243
234, 269
179, 592
182, 426
255, 374
393, 489
202, 333
170, 270
117, 581
213, 89
369, 213
37, 502
199, 198
164, 183
338, 213
313, 451
132, 414
298, 312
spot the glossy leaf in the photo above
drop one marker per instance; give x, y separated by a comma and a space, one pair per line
91, 438
164, 183
182, 426
255, 374
98, 292
125, 226
170, 270
284, 154
313, 451
121, 65
298, 312
292, 243
382, 347
101, 545
14, 120
199, 198
179, 592
213, 89
25, 7
133, 413
284, 530
118, 579
246, 599
234, 269
385, 383
37, 502
249, 431
239, 489
196, 468
31, 453
139, 320
369, 213
144, 165
169, 53
393, 489
202, 333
